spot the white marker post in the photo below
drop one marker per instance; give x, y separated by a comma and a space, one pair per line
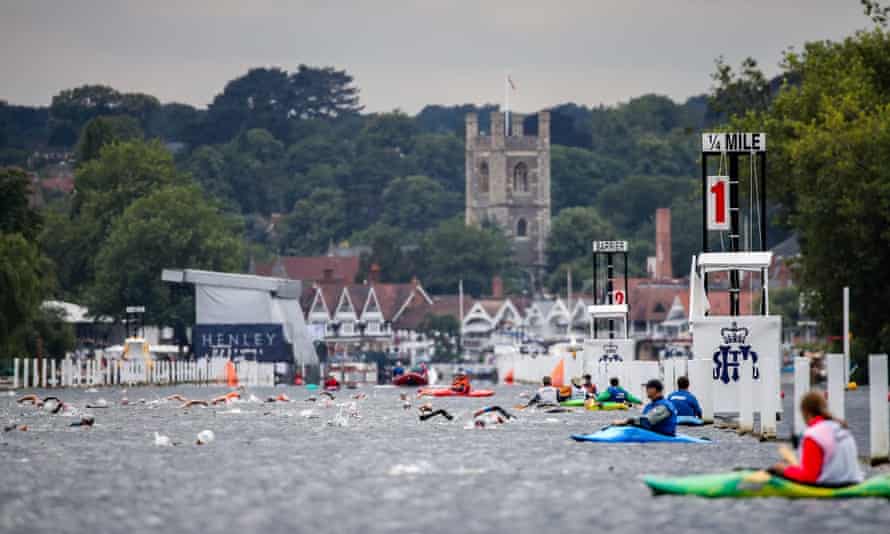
15, 373
702, 386
53, 380
24, 372
43, 372
768, 401
836, 385
35, 376
801, 387
878, 410
846, 336
746, 398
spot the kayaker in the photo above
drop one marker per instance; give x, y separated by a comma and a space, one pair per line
331, 382
589, 386
398, 370
547, 395
578, 391
616, 393
658, 416
685, 402
828, 454
461, 383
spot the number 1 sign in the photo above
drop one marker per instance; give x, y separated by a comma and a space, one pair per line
718, 203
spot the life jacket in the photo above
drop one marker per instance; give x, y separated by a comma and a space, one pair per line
578, 392
617, 394
683, 402
331, 383
548, 395
668, 426
840, 464
398, 371
461, 384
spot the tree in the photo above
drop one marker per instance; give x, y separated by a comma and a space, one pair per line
271, 98
106, 186
16, 216
453, 251
572, 232
23, 273
578, 175
314, 223
441, 157
72, 108
736, 94
388, 251
322, 93
416, 203
173, 226
103, 131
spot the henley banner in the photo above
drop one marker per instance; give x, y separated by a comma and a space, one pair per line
262, 342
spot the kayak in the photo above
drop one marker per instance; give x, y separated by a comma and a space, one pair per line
606, 406
689, 420
571, 403
741, 484
632, 434
410, 379
449, 393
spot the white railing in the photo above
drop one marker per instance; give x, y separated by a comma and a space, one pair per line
49, 373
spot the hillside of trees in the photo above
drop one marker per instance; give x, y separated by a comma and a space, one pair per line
292, 156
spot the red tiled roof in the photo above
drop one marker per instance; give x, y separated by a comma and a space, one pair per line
64, 184
343, 269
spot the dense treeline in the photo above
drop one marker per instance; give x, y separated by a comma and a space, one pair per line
292, 156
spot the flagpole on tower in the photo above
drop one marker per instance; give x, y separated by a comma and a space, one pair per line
507, 104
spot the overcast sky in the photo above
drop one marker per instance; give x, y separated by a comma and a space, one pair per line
405, 54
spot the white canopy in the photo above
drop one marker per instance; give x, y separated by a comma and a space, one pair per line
709, 262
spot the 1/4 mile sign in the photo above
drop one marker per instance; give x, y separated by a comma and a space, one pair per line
733, 142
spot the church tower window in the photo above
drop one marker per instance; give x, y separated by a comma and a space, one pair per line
521, 228
483, 177
520, 178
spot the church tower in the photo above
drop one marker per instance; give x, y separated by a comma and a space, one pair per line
508, 183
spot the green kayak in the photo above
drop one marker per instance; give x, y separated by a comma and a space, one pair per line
742, 484
590, 405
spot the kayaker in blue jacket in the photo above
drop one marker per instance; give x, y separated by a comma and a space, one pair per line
398, 370
616, 393
685, 402
658, 416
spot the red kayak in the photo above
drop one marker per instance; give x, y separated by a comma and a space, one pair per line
410, 379
449, 393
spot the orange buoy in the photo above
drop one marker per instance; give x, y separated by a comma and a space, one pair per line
231, 374
508, 378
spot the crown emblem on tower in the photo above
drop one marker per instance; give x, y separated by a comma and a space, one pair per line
734, 334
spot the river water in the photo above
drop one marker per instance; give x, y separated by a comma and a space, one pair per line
278, 468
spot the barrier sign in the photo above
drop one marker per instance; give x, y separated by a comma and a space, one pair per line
610, 246
718, 203
618, 297
733, 142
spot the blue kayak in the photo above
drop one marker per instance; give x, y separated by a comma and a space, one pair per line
632, 434
689, 420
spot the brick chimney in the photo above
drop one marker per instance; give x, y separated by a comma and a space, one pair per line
663, 269
374, 274
497, 287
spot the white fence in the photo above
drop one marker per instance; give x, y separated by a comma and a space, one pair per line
48, 373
